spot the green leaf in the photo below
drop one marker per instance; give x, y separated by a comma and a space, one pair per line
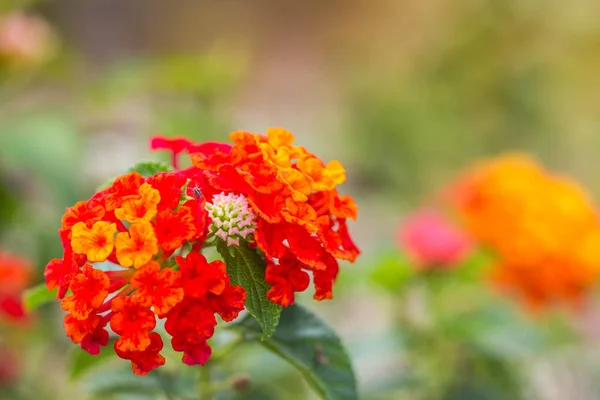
149, 168
247, 269
145, 168
312, 347
81, 361
37, 296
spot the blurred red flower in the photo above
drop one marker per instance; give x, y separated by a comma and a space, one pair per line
15, 274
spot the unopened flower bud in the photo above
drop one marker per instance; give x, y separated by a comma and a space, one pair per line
241, 383
232, 218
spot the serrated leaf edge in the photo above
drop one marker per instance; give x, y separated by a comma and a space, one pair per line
271, 329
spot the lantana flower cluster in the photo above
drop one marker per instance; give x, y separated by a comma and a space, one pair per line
544, 228
261, 191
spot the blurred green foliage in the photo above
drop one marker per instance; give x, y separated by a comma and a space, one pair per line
185, 91
41, 151
479, 94
459, 338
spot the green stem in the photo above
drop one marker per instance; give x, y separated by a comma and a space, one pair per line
208, 244
204, 391
220, 354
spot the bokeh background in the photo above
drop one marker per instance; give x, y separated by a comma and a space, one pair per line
405, 94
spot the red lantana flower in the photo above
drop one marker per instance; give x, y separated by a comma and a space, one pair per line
261, 192
157, 288
175, 145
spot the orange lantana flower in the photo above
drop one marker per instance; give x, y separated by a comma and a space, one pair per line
96, 243
322, 177
300, 213
138, 246
133, 323
278, 147
156, 288
89, 333
82, 212
174, 228
147, 359
142, 208
297, 183
90, 288
124, 188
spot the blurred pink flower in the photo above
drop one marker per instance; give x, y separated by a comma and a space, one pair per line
24, 39
431, 241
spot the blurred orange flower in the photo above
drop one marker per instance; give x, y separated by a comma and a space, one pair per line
543, 227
